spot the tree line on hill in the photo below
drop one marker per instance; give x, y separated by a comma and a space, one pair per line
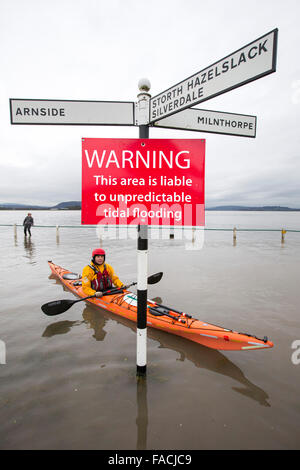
69, 205
76, 205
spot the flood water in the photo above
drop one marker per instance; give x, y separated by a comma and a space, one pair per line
68, 382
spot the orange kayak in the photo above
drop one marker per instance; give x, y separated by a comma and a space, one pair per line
164, 318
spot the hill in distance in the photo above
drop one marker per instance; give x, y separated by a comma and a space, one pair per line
68, 205
249, 208
76, 205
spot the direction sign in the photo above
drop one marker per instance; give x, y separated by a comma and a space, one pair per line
69, 112
249, 63
203, 120
143, 181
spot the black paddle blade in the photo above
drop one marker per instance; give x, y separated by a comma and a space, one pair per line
155, 278
160, 312
57, 306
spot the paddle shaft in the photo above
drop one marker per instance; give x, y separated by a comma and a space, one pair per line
84, 298
60, 306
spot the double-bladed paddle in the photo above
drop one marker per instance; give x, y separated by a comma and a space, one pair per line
59, 306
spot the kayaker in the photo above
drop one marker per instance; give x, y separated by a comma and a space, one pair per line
98, 276
27, 223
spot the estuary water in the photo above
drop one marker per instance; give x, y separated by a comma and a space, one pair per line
68, 382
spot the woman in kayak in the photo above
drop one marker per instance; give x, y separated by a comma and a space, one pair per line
98, 276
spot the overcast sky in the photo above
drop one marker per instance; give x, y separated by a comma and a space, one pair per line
98, 50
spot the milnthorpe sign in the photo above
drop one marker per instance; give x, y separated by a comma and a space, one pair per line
92, 113
203, 120
249, 63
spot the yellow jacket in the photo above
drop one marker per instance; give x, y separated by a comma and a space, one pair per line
88, 275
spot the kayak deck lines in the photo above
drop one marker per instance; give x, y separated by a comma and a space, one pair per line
208, 336
165, 318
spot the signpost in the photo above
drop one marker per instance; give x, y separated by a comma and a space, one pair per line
67, 112
216, 122
142, 111
249, 63
176, 166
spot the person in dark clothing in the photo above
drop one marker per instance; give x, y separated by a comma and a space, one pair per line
27, 223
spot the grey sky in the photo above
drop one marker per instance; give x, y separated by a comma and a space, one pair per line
98, 50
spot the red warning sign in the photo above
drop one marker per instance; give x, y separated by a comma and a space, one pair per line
148, 181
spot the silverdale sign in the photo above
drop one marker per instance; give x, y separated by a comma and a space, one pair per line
249, 63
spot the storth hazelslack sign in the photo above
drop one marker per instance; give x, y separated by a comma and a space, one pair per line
249, 63
143, 181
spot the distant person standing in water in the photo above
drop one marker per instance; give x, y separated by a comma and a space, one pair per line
27, 223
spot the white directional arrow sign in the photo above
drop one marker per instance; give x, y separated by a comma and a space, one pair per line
249, 63
93, 113
204, 120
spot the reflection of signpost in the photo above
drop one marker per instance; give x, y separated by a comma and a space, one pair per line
168, 109
217, 122
2, 352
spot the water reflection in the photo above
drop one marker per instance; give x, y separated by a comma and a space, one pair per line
142, 413
92, 318
60, 328
95, 321
29, 250
200, 356
211, 360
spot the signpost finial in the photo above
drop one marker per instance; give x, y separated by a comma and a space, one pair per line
144, 84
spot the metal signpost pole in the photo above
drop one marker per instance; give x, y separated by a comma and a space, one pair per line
142, 244
169, 109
